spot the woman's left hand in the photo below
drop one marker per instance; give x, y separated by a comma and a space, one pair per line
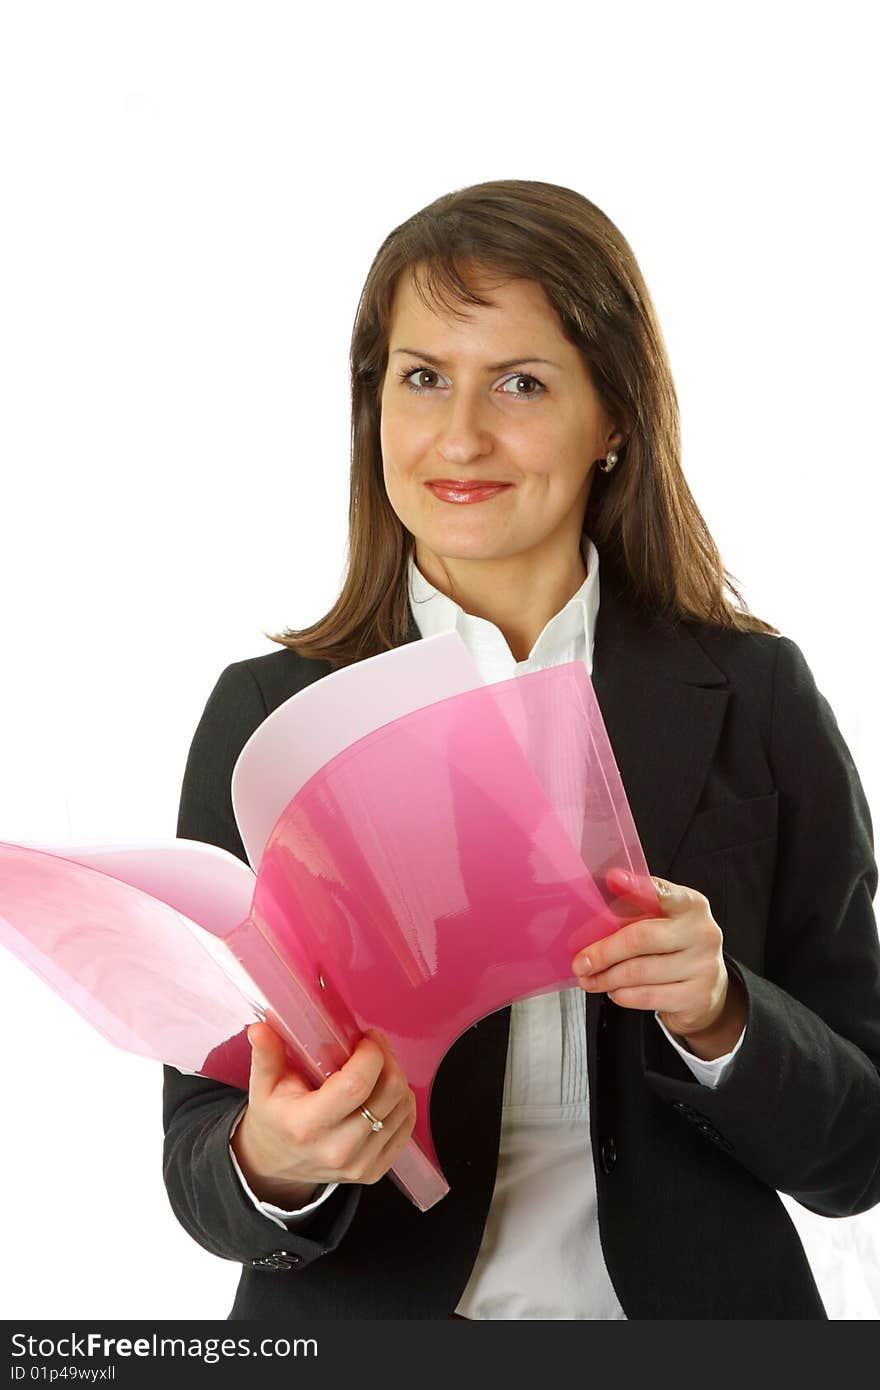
672, 964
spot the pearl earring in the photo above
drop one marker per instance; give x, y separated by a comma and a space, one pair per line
610, 460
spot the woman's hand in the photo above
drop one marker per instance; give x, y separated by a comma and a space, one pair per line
292, 1137
672, 964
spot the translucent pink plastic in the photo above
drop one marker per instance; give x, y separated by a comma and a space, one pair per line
443, 865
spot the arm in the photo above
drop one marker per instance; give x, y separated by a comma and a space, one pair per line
801, 1107
206, 1193
288, 1218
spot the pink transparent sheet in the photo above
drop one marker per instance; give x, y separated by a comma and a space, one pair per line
305, 732
442, 866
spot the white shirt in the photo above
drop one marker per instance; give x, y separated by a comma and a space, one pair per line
540, 1256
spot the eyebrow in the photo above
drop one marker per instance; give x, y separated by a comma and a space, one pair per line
492, 367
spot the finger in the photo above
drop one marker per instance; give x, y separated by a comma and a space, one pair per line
628, 908
674, 898
393, 1148
389, 1090
648, 936
392, 1078
391, 1062
660, 895
669, 968
347, 1089
270, 1065
669, 998
398, 1114
355, 1147
639, 887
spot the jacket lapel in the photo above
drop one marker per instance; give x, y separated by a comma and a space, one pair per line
663, 701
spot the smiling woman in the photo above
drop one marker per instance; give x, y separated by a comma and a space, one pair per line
455, 295
616, 1149
516, 447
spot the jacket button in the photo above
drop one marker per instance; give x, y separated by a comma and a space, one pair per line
286, 1258
608, 1155
279, 1259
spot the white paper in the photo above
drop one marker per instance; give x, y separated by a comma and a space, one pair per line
304, 733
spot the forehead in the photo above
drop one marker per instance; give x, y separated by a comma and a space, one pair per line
514, 303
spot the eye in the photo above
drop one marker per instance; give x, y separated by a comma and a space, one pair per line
413, 371
523, 377
409, 372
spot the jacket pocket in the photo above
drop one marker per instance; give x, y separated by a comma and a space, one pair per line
730, 824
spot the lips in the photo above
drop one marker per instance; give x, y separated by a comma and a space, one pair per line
461, 484
448, 490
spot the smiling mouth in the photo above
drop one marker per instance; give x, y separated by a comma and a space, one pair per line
450, 491
462, 484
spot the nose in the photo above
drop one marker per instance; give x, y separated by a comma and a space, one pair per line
462, 430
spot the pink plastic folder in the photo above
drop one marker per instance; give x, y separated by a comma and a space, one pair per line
437, 868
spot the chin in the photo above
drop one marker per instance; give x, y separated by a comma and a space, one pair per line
466, 550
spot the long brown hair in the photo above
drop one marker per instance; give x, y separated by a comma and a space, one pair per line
651, 538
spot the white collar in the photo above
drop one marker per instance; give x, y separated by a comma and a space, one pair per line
436, 612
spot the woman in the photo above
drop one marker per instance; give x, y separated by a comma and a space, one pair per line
613, 1150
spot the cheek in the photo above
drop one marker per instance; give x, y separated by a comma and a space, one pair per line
549, 451
384, 426
402, 444
396, 461
555, 475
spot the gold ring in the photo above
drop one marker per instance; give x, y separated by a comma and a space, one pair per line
375, 1125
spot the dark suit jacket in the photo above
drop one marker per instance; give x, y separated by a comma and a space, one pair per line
742, 787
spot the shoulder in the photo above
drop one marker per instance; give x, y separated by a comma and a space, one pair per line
768, 674
243, 695
275, 676
739, 655
694, 651
745, 657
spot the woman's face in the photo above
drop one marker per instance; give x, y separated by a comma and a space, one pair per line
489, 410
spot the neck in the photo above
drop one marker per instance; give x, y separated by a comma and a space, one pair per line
519, 593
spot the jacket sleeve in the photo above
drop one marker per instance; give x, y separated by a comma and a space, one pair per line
800, 1108
199, 1114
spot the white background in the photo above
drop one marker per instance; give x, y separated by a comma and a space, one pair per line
193, 193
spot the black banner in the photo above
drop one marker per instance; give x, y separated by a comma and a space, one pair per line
135, 1354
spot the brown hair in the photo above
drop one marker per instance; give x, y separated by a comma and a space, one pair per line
642, 518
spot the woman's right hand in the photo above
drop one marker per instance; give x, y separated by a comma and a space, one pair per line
292, 1137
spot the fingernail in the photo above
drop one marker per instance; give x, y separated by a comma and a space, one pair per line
585, 965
